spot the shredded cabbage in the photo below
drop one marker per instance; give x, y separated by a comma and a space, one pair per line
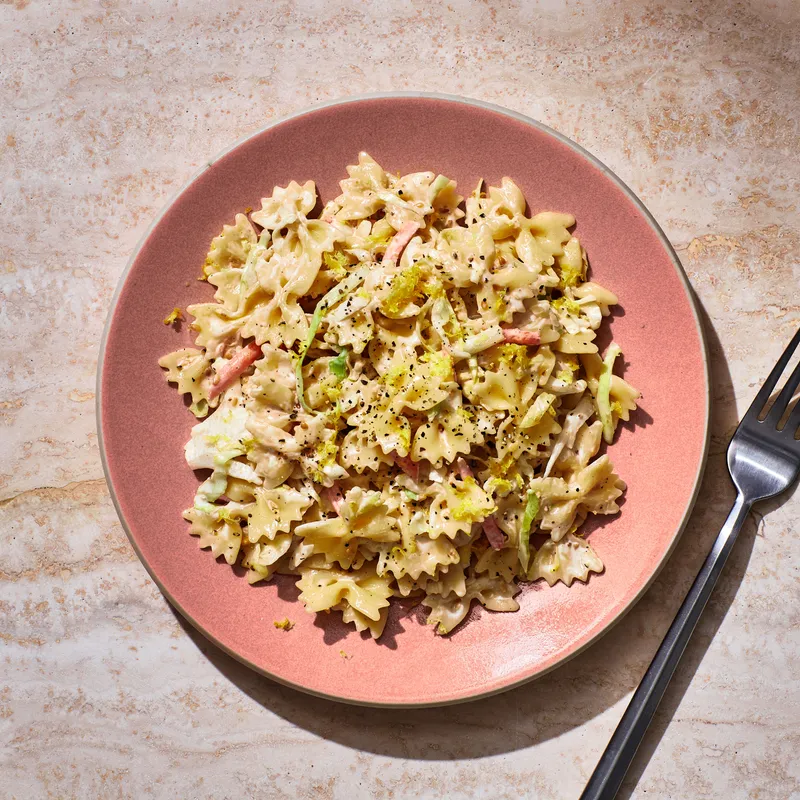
541, 405
531, 510
604, 392
338, 365
438, 184
484, 340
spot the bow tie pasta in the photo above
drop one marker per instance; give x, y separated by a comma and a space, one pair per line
401, 396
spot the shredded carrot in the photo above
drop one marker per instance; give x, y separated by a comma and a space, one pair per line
519, 336
399, 242
234, 368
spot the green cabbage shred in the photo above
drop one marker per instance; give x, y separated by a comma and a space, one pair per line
338, 365
531, 510
438, 184
604, 392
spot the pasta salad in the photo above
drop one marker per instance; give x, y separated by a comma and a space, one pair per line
401, 396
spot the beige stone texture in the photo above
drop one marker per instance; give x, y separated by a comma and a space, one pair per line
105, 110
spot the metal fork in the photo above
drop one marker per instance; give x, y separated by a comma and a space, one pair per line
763, 461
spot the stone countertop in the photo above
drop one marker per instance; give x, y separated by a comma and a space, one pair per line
105, 110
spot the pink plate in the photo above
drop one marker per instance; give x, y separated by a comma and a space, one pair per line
144, 424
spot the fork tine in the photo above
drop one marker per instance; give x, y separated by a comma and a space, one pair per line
793, 423
784, 398
769, 385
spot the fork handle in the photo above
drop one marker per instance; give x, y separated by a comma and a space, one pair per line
607, 777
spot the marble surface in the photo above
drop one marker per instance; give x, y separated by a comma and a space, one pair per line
105, 110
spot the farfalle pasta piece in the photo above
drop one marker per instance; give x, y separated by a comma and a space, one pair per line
572, 264
394, 347
359, 452
422, 555
361, 621
595, 488
550, 230
490, 212
231, 248
389, 429
360, 196
276, 510
222, 534
354, 332
362, 516
272, 384
582, 342
495, 391
451, 432
570, 559
424, 384
456, 505
261, 559
228, 283
287, 275
287, 205
614, 397
514, 441
215, 327
623, 398
573, 422
507, 199
450, 580
363, 590
190, 370
493, 593
593, 292
587, 443
278, 322
498, 564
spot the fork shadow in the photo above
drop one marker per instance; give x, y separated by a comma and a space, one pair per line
575, 693
725, 419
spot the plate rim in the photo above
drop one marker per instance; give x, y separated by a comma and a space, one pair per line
608, 173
